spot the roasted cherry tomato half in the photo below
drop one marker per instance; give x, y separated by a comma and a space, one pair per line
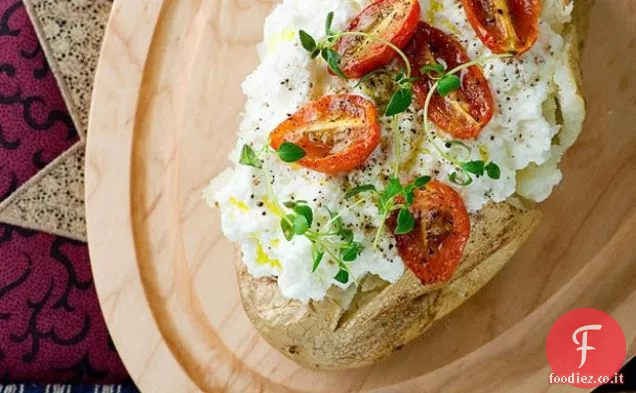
505, 26
464, 112
435, 247
391, 20
337, 132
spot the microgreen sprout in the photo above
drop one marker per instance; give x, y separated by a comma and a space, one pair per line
445, 83
328, 24
403, 95
435, 71
448, 84
394, 197
249, 157
334, 239
290, 152
287, 151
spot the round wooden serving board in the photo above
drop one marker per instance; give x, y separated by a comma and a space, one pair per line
165, 112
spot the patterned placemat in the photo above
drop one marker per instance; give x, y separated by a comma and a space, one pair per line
52, 197
51, 326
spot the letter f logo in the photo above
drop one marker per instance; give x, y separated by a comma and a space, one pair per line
583, 344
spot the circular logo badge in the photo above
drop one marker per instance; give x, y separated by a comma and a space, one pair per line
585, 348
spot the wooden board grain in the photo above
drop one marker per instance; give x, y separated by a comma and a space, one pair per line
165, 112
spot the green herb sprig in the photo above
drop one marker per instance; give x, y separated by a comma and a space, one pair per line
402, 97
250, 158
334, 239
395, 196
447, 82
287, 151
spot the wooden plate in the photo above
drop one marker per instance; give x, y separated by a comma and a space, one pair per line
164, 117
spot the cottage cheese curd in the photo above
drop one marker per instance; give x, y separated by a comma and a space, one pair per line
519, 139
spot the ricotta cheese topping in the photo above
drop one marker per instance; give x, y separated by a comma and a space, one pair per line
520, 139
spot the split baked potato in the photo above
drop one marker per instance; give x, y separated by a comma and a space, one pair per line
381, 318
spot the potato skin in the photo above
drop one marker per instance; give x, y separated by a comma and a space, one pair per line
382, 317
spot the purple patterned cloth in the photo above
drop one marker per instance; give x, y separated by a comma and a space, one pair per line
51, 326
35, 127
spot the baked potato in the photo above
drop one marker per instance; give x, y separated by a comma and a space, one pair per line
361, 324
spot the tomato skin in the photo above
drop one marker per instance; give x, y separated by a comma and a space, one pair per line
435, 260
465, 112
347, 122
505, 26
374, 55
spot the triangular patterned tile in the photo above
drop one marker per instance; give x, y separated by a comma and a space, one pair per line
71, 33
53, 201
